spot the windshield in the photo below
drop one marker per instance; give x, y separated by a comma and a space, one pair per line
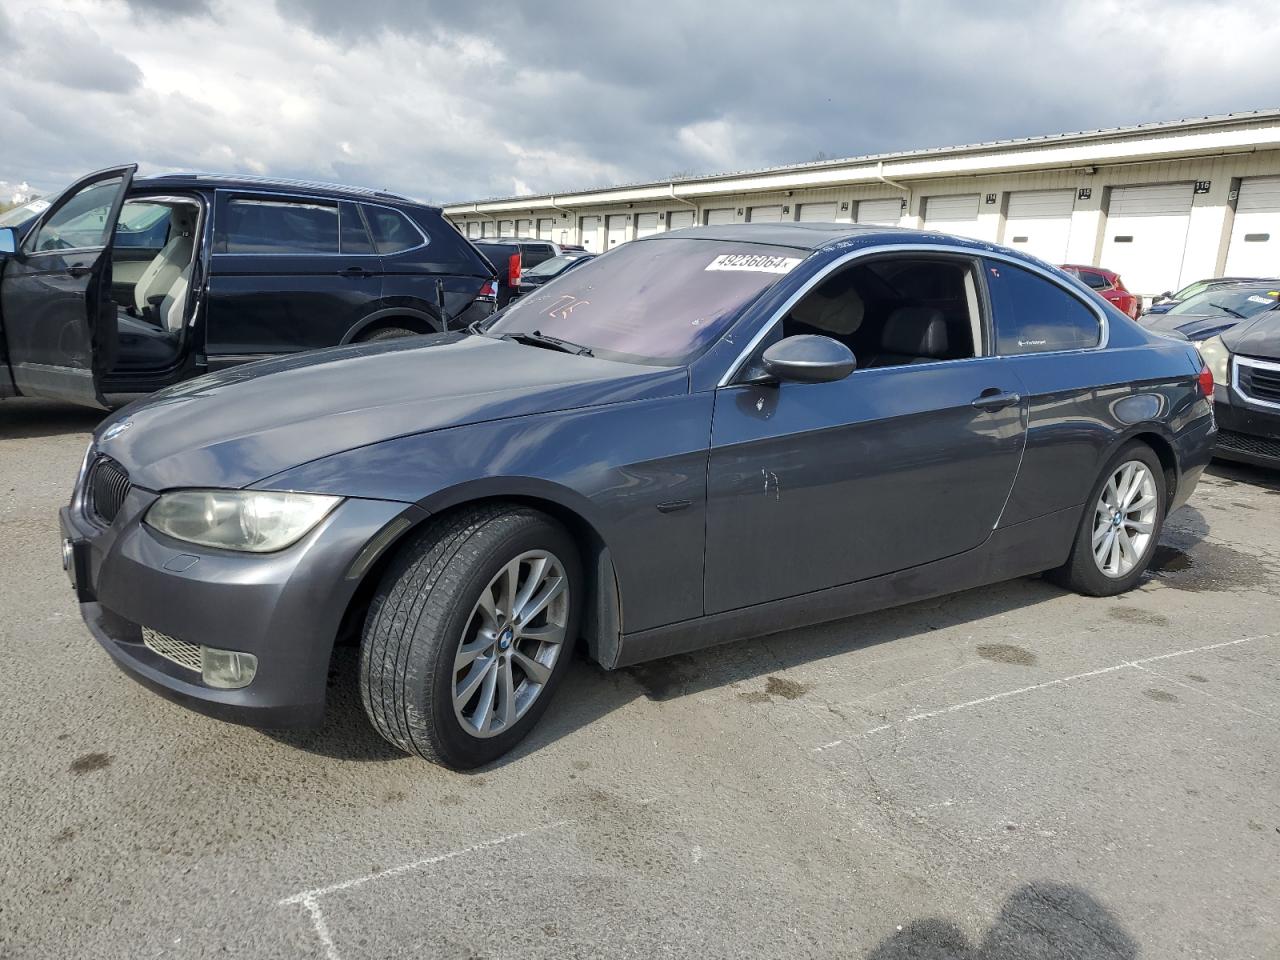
20, 214
1191, 290
654, 301
1232, 301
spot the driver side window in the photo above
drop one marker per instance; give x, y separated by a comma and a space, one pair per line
895, 311
80, 223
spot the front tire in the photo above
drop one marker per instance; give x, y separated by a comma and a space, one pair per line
387, 333
470, 633
1121, 525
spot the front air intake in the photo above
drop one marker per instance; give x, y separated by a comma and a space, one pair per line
108, 486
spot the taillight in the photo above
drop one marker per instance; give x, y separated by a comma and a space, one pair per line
513, 270
488, 291
1206, 382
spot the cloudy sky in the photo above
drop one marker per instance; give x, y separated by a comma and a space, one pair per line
471, 99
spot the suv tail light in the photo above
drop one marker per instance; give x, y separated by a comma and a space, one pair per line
1206, 382
488, 292
513, 270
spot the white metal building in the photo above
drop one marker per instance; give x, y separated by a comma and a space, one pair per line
1162, 204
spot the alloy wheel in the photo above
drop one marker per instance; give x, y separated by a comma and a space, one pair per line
1124, 519
511, 643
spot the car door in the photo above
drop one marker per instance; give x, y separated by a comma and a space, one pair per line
815, 485
58, 317
280, 280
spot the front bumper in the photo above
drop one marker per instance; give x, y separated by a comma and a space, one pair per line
1247, 433
285, 608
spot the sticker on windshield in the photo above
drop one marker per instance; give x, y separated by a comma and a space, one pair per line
1257, 299
756, 263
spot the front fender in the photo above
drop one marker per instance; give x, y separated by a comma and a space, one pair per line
635, 472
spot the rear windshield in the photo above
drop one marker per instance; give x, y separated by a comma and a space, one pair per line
1096, 281
549, 268
654, 301
1233, 301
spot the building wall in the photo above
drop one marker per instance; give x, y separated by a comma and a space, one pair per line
1208, 225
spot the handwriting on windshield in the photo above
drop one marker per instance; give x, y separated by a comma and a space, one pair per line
565, 305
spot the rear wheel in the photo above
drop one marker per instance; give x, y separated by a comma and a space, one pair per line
469, 634
387, 333
1121, 525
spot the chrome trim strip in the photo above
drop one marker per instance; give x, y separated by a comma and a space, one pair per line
1259, 364
284, 197
1104, 333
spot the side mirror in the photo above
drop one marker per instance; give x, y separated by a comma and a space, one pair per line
808, 359
8, 242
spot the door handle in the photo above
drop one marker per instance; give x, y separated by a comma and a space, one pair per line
993, 399
355, 272
79, 270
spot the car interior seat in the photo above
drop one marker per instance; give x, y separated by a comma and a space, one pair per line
913, 335
160, 295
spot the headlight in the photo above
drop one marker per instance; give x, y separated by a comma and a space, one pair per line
259, 521
1217, 357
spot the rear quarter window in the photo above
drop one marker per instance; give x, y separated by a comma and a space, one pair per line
1035, 315
391, 230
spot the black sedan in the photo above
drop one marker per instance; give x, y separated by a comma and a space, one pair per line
1215, 310
672, 446
550, 269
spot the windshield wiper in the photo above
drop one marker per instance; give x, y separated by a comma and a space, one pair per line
539, 339
1235, 313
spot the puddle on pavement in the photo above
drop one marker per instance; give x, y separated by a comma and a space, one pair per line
1209, 566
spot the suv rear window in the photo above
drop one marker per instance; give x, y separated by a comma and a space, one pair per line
279, 226
1095, 281
392, 232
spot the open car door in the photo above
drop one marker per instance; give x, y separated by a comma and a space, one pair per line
55, 293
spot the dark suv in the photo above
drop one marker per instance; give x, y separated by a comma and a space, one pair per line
124, 285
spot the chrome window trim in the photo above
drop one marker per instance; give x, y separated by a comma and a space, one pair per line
1104, 328
1235, 379
336, 202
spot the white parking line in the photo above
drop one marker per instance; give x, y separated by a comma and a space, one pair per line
1124, 664
310, 899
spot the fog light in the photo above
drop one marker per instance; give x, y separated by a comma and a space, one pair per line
227, 669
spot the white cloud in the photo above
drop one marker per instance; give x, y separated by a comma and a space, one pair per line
426, 97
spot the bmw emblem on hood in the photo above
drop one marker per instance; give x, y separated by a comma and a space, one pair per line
116, 429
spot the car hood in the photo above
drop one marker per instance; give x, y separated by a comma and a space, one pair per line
1191, 326
233, 428
1258, 338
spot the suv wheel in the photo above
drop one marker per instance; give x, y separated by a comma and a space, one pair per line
469, 634
387, 333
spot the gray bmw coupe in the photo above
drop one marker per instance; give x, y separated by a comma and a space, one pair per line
699, 436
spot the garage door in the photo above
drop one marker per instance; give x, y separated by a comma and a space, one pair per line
1038, 222
1255, 236
766, 214
724, 215
678, 219
885, 213
524, 228
817, 212
490, 229
473, 229
958, 215
1147, 236
506, 228
591, 233
617, 230
647, 224
546, 229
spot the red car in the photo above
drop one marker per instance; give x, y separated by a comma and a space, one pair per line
1110, 286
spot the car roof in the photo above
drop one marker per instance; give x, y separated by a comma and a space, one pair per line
803, 236
1086, 268
245, 182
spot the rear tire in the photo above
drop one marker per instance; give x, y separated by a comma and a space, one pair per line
1121, 526
387, 333
445, 631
